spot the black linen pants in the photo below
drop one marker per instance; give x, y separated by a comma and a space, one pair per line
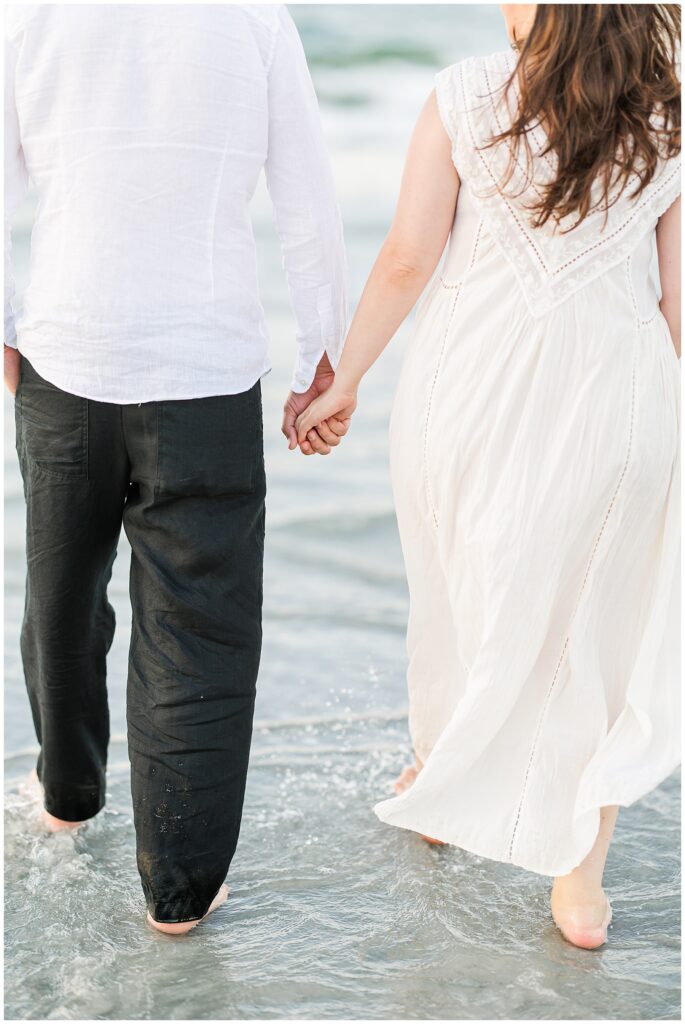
186, 478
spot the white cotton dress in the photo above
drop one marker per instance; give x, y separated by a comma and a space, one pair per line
535, 453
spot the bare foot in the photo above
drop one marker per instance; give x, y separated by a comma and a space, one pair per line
580, 907
182, 927
54, 824
33, 790
404, 781
582, 918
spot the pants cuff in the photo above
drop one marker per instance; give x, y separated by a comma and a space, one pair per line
179, 911
73, 803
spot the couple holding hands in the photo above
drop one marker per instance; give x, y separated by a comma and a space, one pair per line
534, 435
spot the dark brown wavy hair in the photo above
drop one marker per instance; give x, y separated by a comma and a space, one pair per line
602, 81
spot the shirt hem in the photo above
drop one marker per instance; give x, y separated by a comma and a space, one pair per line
211, 389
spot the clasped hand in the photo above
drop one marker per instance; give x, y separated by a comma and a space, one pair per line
317, 420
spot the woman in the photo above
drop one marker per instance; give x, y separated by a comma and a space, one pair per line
534, 441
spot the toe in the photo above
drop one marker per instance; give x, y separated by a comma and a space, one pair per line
583, 926
586, 938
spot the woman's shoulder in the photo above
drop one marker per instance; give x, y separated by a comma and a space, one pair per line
472, 86
477, 77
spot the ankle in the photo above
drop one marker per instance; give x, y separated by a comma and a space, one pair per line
579, 883
54, 824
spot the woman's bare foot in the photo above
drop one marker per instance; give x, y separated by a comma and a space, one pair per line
404, 781
583, 924
406, 778
182, 927
580, 907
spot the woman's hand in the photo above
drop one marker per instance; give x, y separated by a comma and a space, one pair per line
12, 360
328, 418
296, 403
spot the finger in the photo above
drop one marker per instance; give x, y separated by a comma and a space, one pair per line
288, 426
317, 444
290, 435
303, 424
338, 426
306, 448
327, 435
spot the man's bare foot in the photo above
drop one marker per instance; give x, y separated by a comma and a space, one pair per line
182, 927
54, 824
583, 918
33, 790
404, 781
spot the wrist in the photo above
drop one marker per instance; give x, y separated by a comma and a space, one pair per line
346, 383
324, 367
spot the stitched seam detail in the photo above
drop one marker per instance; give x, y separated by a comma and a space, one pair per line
535, 133
426, 430
158, 423
438, 367
86, 434
492, 178
498, 122
646, 200
564, 648
624, 224
631, 291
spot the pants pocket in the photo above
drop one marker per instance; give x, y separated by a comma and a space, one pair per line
210, 446
52, 427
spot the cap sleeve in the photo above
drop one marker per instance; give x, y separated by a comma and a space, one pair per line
446, 97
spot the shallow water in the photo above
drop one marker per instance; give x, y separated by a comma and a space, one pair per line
331, 914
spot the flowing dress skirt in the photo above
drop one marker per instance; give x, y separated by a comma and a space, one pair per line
535, 472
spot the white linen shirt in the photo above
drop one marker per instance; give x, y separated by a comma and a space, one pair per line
144, 129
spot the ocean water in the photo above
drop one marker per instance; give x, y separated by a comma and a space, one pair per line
331, 914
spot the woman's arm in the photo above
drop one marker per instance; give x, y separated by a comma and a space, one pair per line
410, 254
668, 248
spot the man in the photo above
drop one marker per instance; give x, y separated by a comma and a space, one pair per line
144, 130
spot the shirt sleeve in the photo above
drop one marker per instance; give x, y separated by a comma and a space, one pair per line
16, 185
308, 222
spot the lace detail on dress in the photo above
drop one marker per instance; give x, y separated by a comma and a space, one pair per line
550, 265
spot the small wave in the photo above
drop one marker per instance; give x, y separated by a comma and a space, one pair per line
424, 56
266, 726
329, 520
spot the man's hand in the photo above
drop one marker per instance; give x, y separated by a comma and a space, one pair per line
12, 359
327, 434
